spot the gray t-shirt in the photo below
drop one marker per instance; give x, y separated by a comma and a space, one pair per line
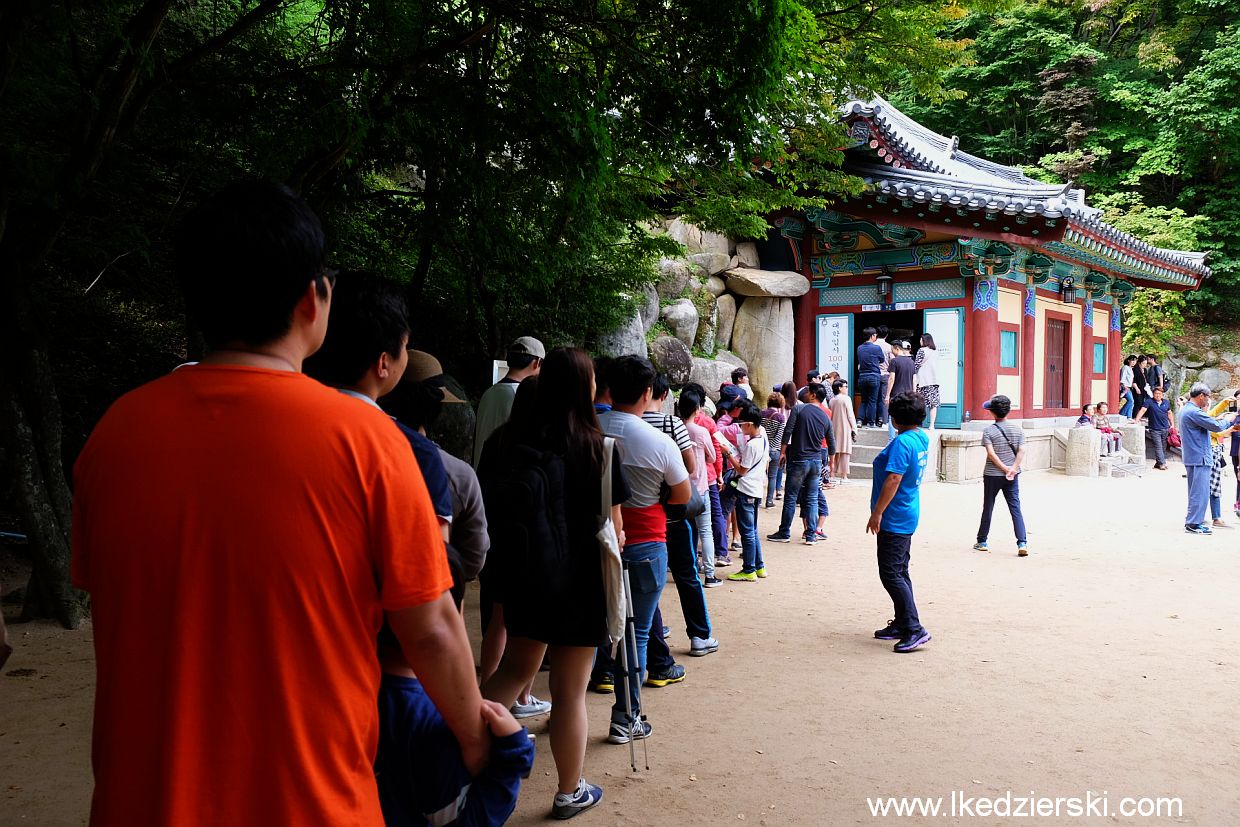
1006, 439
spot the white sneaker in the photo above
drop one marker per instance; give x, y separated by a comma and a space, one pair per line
702, 646
531, 709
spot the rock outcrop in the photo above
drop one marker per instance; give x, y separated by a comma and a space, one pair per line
725, 310
763, 337
670, 355
745, 281
681, 319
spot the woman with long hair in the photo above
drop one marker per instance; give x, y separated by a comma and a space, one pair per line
789, 393
1140, 383
925, 367
522, 418
774, 417
1127, 403
569, 626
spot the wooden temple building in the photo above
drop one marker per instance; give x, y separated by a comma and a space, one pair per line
1021, 283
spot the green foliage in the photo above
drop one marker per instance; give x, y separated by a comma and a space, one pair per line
1154, 317
501, 160
1137, 99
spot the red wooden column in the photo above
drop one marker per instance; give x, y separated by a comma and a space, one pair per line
805, 319
982, 343
1028, 336
1115, 351
1087, 349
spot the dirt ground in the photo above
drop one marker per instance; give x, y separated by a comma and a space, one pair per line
1107, 663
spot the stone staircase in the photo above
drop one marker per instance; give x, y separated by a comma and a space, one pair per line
866, 446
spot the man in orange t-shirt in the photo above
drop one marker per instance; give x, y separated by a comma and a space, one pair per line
242, 531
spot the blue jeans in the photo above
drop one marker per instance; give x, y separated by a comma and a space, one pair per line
772, 477
882, 397
867, 384
1198, 493
646, 564
747, 521
800, 474
682, 560
1125, 408
991, 486
704, 534
719, 522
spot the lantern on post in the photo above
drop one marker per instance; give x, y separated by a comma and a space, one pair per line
884, 280
1067, 287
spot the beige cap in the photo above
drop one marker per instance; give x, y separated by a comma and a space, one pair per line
529, 346
424, 367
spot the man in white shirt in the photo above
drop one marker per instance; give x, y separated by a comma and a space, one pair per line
650, 460
525, 357
740, 378
884, 372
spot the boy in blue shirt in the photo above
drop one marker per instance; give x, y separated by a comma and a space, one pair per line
421, 775
894, 510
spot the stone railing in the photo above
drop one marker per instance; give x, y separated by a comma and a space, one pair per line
961, 457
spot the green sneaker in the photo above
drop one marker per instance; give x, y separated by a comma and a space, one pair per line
761, 572
748, 576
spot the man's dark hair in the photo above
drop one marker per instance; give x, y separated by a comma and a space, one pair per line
368, 318
629, 378
819, 392
738, 374
811, 375
688, 405
1000, 407
695, 392
519, 361
836, 385
245, 257
883, 330
660, 387
867, 332
749, 414
907, 409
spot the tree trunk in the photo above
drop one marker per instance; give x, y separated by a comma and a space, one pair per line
42, 500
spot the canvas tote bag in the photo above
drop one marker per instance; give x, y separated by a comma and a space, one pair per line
609, 548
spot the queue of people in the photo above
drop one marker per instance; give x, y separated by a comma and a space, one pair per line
275, 520
885, 369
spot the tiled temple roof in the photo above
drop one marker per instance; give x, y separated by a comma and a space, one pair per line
928, 168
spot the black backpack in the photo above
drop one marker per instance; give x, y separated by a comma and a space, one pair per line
524, 499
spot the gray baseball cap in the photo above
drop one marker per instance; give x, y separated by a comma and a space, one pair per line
529, 346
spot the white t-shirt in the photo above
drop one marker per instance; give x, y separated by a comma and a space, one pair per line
650, 459
755, 454
886, 348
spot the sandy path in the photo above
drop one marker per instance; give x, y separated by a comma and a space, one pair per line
1106, 661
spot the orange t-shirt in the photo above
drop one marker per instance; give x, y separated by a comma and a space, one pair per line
241, 532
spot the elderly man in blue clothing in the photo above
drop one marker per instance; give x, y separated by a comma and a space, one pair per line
1195, 429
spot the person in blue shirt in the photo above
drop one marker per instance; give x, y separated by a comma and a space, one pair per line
421, 777
895, 507
1157, 411
1195, 429
870, 361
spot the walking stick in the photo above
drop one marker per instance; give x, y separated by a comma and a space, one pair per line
632, 672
